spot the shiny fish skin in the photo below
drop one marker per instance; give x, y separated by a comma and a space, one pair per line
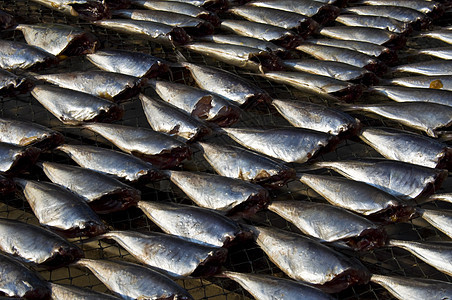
84, 9
17, 55
11, 84
61, 210
112, 162
440, 219
74, 107
444, 35
69, 292
440, 52
132, 281
195, 224
441, 197
104, 194
233, 39
409, 94
16, 159
434, 82
429, 68
331, 224
423, 6
385, 23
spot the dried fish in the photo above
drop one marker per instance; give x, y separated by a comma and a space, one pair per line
6, 185
74, 107
17, 55
84, 9
444, 35
6, 20
440, 219
67, 292
104, 194
61, 210
195, 224
131, 281
430, 82
11, 84
440, 52
410, 94
385, 23
37, 245
16, 159
429, 68
112, 162
431, 8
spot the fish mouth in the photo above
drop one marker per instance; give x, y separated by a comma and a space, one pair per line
389, 57
92, 11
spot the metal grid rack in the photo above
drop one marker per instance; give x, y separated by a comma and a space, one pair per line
246, 258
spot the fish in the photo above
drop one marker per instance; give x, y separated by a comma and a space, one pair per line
429, 68
107, 85
429, 82
16, 159
377, 205
12, 85
266, 287
17, 55
331, 224
119, 164
130, 63
304, 259
66, 292
436, 254
424, 116
74, 107
6, 185
170, 255
198, 102
385, 23
231, 196
431, 8
18, 281
440, 219
104, 194
410, 94
156, 32
444, 35
7, 21
409, 147
440, 52
237, 162
132, 281
404, 288
34, 244
88, 10
317, 117
195, 224
166, 118
59, 39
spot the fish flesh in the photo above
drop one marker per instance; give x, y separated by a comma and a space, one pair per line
195, 224
232, 196
89, 10
444, 35
59, 39
17, 55
34, 244
430, 8
440, 219
376, 205
410, 94
162, 150
171, 120
119, 164
429, 82
170, 255
104, 194
16, 159
317, 117
6, 185
440, 52
11, 84
331, 224
132, 281
6, 20
237, 162
66, 292
408, 147
385, 23
429, 68
74, 107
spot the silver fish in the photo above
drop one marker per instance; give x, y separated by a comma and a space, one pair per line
112, 162
84, 9
401, 179
305, 259
74, 107
131, 281
317, 117
436, 254
376, 205
68, 292
236, 162
6, 185
17, 55
7, 21
161, 150
169, 119
440, 52
11, 84
61, 210
111, 86
408, 147
385, 23
414, 288
195, 224
440, 219
331, 224
170, 255
447, 197
265, 287
410, 94
233, 39
34, 244
19, 281
16, 159
430, 82
444, 35
228, 195
59, 39
429, 68
426, 7
104, 194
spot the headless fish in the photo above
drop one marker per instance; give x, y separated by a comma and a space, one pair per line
385, 23
444, 35
443, 82
11, 84
409, 94
440, 52
17, 55
89, 10
431, 8
6, 185
17, 159
429, 68
67, 292
440, 219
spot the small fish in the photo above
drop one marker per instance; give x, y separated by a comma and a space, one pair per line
59, 39
236, 162
89, 10
119, 164
317, 117
266, 287
74, 107
17, 55
67, 292
440, 219
414, 288
331, 224
170, 255
385, 23
229, 195
429, 68
131, 281
376, 205
11, 84
440, 52
171, 120
16, 159
61, 210
429, 82
444, 35
6, 185
7, 21
410, 94
104, 194
195, 224
430, 8
34, 244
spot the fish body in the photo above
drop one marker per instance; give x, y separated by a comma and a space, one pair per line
89, 10
444, 35
67, 292
410, 94
234, 39
447, 197
429, 68
17, 55
432, 8
440, 52
384, 23
443, 82
17, 159
11, 84
440, 219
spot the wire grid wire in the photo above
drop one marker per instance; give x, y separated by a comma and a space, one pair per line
243, 258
